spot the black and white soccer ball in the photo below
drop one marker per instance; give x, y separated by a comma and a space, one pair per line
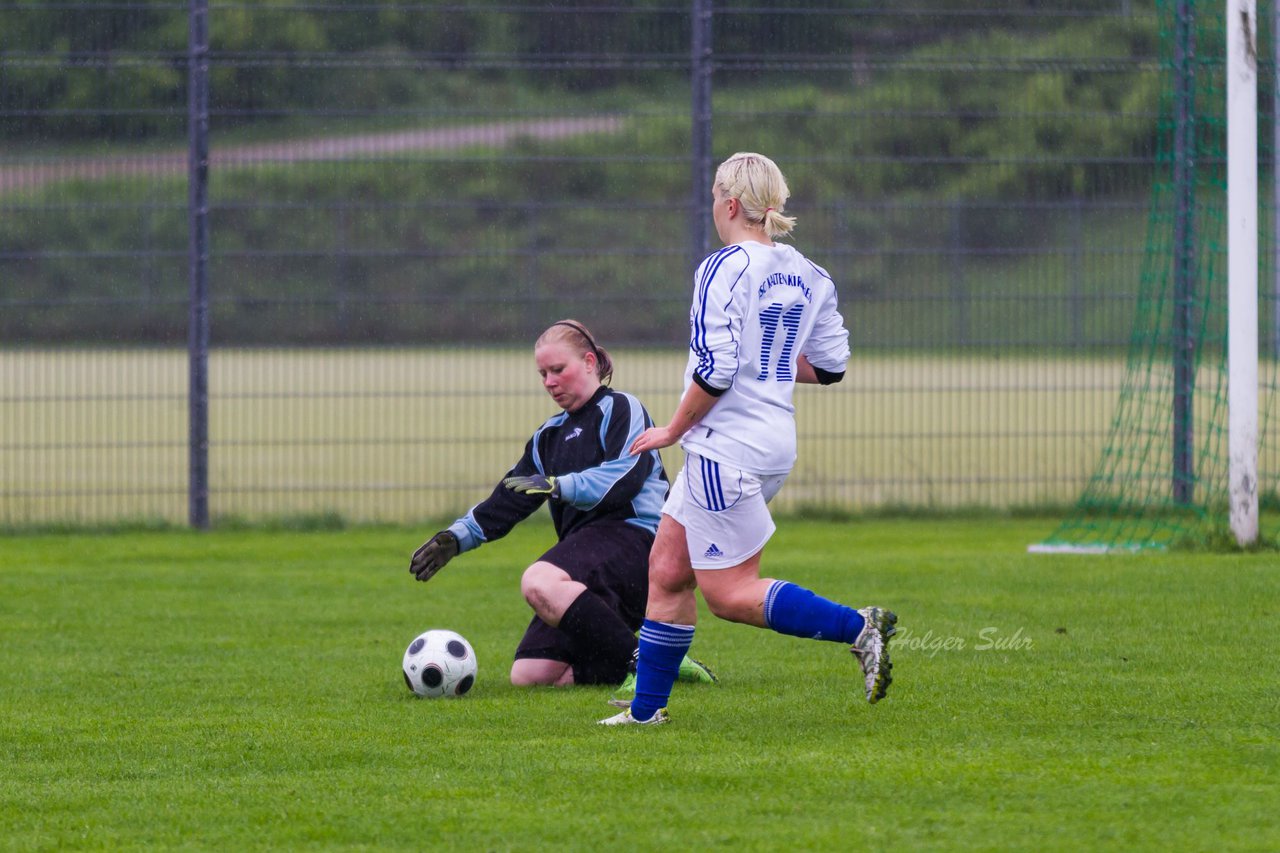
439, 663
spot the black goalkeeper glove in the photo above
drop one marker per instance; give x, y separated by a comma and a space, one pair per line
433, 554
535, 484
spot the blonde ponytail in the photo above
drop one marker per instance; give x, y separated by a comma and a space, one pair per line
758, 184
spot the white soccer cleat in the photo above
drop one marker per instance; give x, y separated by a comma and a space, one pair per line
872, 650
625, 719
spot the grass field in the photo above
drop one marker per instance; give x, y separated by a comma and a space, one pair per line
395, 435
401, 434
241, 690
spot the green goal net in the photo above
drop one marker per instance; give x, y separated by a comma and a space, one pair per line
1162, 479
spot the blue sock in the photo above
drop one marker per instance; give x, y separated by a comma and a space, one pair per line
794, 610
662, 647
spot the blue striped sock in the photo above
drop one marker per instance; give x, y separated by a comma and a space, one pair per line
662, 647
794, 610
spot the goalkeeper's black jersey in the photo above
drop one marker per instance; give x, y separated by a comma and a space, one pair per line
586, 451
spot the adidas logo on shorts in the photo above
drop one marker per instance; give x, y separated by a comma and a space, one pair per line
713, 552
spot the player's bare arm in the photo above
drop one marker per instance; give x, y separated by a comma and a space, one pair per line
693, 407
807, 374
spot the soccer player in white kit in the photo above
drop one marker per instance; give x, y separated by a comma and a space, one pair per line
763, 318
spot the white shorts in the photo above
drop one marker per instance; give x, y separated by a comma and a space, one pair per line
724, 511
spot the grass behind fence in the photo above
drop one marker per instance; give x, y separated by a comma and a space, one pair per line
400, 434
242, 691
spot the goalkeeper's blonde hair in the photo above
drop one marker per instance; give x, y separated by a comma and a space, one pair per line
575, 335
757, 183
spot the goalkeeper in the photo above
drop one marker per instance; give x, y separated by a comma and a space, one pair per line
589, 591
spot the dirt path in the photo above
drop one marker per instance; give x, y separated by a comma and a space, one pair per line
33, 174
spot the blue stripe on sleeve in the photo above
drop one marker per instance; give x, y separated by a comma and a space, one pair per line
711, 266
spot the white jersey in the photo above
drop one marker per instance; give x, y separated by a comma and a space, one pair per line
756, 309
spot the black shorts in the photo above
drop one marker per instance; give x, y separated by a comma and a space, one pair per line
610, 558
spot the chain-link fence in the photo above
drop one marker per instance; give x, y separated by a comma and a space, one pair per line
402, 196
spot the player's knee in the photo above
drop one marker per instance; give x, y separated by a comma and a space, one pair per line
522, 678
534, 583
528, 583
670, 578
534, 672
526, 673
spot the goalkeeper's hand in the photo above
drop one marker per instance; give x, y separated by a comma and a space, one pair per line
535, 484
433, 554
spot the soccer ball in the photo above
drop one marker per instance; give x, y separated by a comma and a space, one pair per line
439, 663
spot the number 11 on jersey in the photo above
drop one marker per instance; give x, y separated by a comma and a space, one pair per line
770, 319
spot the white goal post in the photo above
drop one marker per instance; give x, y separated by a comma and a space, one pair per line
1242, 268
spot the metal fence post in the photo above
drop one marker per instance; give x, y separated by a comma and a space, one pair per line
198, 263
1075, 274
1275, 183
700, 79
959, 283
1184, 152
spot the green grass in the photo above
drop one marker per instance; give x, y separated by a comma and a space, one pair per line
92, 436
241, 690
393, 435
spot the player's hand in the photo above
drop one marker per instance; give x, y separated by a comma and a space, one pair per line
654, 438
433, 554
535, 484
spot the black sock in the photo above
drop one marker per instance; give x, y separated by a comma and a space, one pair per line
602, 642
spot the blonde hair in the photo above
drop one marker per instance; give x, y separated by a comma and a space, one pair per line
757, 183
575, 335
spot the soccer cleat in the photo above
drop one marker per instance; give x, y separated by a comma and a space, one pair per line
872, 650
626, 690
625, 719
692, 671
